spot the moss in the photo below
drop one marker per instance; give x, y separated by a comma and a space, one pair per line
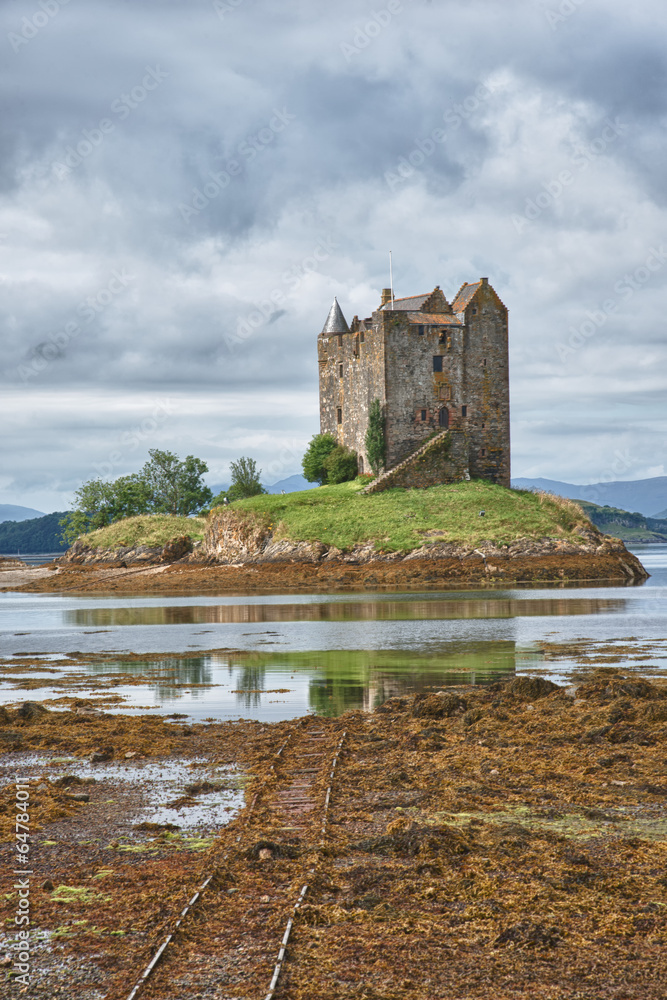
146, 529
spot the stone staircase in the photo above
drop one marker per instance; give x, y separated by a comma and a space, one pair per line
434, 444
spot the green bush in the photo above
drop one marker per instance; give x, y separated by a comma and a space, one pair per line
313, 462
341, 465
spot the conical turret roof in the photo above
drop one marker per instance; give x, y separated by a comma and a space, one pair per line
336, 322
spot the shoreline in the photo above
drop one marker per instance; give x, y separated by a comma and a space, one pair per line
615, 567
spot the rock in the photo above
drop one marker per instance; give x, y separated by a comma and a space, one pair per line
531, 688
437, 706
101, 755
31, 710
78, 797
5, 961
623, 688
48, 885
5, 717
530, 935
472, 716
177, 548
656, 713
72, 779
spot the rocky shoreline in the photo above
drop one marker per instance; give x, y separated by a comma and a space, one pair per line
247, 556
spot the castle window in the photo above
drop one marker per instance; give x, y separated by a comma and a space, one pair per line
362, 337
340, 371
437, 363
423, 414
443, 417
361, 464
420, 330
340, 339
464, 411
474, 312
339, 415
484, 362
483, 452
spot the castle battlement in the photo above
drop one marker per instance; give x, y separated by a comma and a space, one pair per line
433, 366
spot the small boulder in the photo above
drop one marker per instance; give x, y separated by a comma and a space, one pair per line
177, 548
31, 710
5, 717
656, 713
531, 688
102, 755
437, 706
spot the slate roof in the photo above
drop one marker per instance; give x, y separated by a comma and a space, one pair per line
464, 296
434, 319
335, 322
412, 302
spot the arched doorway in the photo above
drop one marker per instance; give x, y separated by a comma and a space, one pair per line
443, 418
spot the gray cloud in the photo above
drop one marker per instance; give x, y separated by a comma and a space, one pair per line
207, 158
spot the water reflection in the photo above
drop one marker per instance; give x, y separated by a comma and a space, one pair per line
327, 682
347, 611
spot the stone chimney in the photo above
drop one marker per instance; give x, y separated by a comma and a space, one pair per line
386, 296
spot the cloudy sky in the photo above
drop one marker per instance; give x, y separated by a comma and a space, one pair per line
185, 185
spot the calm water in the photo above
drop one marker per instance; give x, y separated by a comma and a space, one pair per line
277, 657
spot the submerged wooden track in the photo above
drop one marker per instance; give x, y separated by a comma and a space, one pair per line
281, 834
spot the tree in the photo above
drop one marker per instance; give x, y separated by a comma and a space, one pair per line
245, 479
175, 486
313, 462
341, 465
165, 485
98, 504
375, 441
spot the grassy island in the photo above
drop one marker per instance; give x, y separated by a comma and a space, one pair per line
400, 520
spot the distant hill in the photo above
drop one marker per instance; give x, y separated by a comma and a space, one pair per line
39, 534
646, 496
10, 512
293, 484
624, 525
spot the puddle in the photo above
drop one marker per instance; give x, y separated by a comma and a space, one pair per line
159, 790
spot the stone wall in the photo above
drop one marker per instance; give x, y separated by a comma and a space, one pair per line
445, 460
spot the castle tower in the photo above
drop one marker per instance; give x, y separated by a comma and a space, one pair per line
434, 366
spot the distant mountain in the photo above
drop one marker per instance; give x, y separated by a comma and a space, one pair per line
646, 496
293, 484
39, 534
10, 512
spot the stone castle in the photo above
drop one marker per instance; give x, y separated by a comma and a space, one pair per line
441, 374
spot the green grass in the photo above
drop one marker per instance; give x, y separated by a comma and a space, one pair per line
146, 529
400, 520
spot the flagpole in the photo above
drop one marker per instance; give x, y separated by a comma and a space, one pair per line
391, 280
